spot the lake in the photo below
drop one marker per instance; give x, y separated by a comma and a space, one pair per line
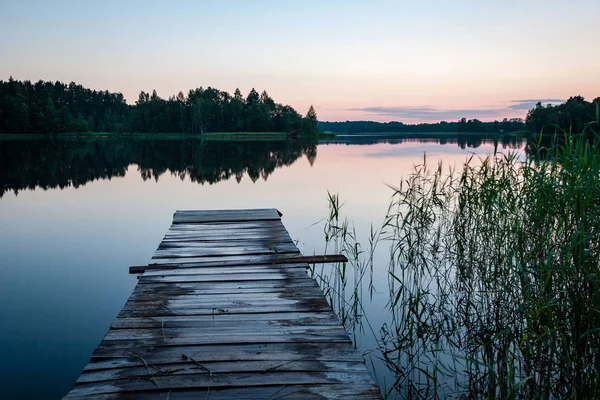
76, 213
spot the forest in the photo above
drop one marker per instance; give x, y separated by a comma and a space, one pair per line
47, 107
462, 126
576, 115
55, 107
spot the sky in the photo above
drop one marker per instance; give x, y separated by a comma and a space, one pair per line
410, 61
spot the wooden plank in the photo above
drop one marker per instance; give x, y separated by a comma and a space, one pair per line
192, 216
281, 260
128, 355
203, 246
287, 392
167, 335
212, 288
214, 307
220, 252
189, 367
166, 294
226, 320
195, 262
225, 226
324, 259
316, 337
227, 270
158, 269
239, 298
232, 238
161, 254
216, 300
224, 277
223, 301
244, 229
205, 380
215, 253
276, 308
215, 261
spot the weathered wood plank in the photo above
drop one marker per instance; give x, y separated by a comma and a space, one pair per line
229, 226
316, 337
189, 367
324, 259
226, 240
289, 270
205, 380
216, 261
197, 262
124, 354
339, 391
304, 293
158, 269
145, 299
220, 252
227, 320
260, 230
203, 247
223, 301
287, 260
167, 335
193, 216
251, 269
224, 277
210, 288
270, 308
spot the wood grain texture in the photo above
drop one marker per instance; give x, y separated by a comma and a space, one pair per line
217, 316
205, 216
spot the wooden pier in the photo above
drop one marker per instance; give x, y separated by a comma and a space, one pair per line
226, 311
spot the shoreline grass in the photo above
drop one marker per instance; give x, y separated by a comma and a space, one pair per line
493, 276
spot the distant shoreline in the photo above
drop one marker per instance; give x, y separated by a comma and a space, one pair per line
424, 134
209, 136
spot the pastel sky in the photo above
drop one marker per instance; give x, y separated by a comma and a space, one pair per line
413, 61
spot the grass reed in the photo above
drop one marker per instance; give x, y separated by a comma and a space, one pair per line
493, 276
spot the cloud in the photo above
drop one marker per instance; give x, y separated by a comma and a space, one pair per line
543, 101
528, 104
433, 114
428, 113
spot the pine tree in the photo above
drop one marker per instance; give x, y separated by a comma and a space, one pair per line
309, 123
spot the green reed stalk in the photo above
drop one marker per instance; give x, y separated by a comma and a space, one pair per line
494, 288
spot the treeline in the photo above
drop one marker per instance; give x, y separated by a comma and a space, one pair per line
462, 126
505, 141
576, 115
49, 164
47, 107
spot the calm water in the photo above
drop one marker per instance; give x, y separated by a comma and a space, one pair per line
74, 214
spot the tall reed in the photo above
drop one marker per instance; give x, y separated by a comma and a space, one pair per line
494, 277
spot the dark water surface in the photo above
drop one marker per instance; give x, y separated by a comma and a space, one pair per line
74, 214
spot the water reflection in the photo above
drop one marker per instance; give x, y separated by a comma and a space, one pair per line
62, 163
509, 141
49, 164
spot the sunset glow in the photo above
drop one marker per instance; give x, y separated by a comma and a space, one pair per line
385, 60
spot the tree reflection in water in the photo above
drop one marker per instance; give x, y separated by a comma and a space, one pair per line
62, 163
